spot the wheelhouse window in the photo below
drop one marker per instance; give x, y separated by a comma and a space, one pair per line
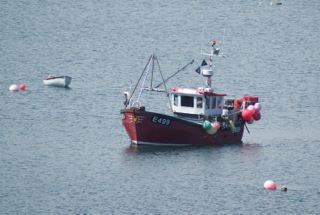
219, 102
175, 100
207, 102
187, 101
213, 102
199, 102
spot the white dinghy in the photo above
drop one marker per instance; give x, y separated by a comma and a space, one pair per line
57, 81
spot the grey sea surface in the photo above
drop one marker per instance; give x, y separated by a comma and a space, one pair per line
64, 151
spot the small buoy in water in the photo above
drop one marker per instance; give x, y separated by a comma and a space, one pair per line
270, 185
14, 88
22, 86
284, 188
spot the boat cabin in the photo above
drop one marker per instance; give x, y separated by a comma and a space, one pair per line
195, 103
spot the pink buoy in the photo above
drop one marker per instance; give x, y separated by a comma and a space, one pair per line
251, 108
22, 86
270, 185
14, 88
257, 106
217, 125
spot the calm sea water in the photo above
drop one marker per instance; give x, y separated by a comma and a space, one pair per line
64, 151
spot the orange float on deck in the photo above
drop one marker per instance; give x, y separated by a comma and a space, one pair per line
237, 103
251, 99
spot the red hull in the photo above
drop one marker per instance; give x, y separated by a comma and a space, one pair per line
145, 127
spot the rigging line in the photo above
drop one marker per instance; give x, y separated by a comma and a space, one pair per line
151, 80
164, 84
202, 38
145, 78
224, 31
174, 74
222, 47
246, 128
134, 89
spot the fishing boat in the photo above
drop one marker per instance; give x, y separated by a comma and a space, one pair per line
196, 116
57, 81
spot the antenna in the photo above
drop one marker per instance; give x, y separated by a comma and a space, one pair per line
222, 54
202, 39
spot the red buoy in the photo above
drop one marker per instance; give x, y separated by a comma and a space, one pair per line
251, 120
246, 115
257, 116
22, 86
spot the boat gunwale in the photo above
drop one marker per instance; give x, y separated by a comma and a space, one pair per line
58, 77
186, 121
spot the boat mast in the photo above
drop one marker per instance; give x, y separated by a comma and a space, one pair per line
212, 53
209, 72
209, 81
